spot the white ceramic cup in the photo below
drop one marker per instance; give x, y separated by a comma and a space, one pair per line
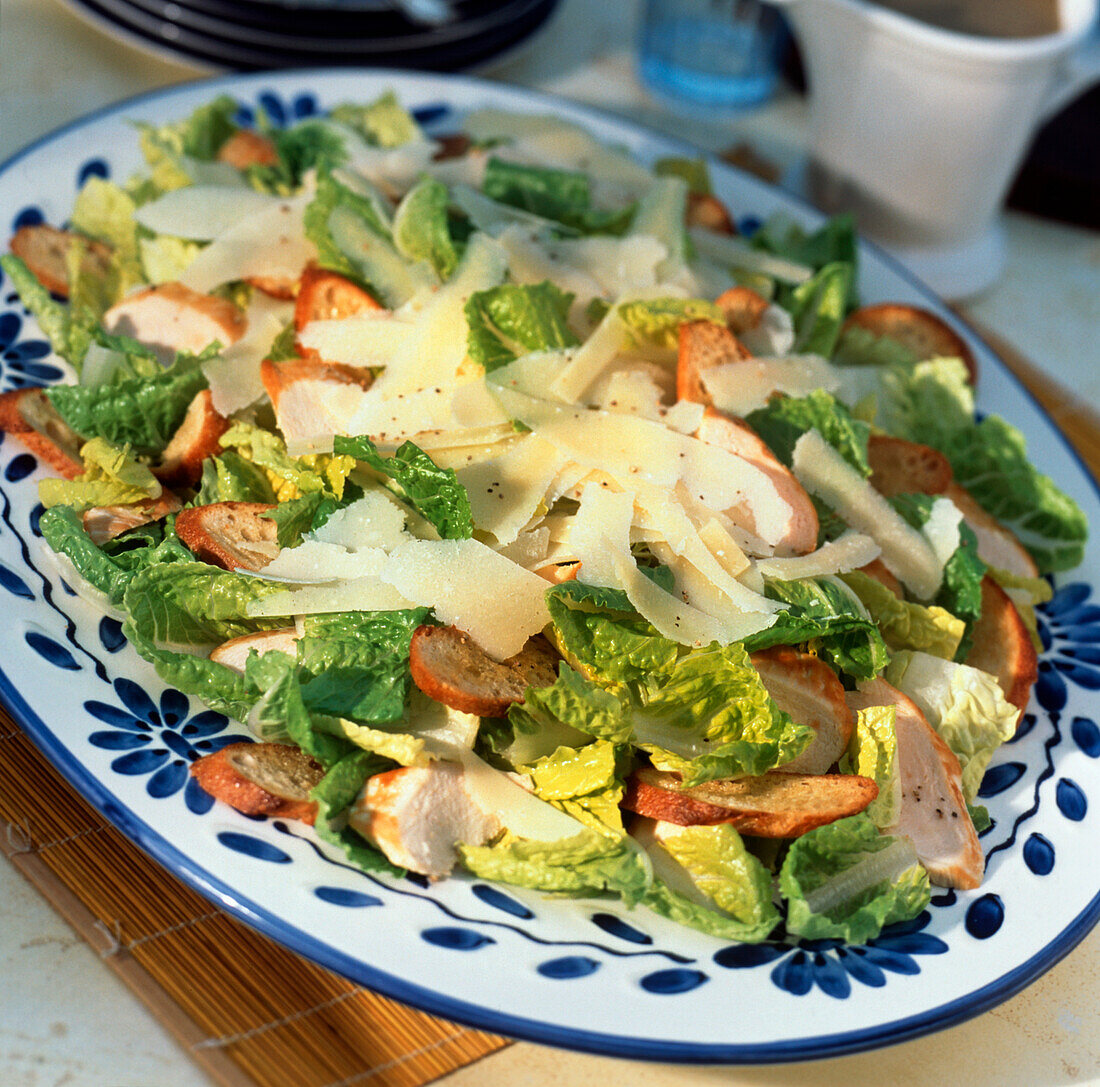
919, 130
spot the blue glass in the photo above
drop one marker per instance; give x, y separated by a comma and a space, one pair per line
721, 54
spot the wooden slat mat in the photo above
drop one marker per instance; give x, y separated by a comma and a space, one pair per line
249, 1012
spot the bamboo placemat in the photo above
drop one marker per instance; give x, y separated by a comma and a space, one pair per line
249, 1012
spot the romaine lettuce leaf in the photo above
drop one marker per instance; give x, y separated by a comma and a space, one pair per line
873, 753
964, 705
585, 782
511, 320
420, 229
232, 478
845, 881
819, 307
835, 241
657, 320
268, 450
383, 122
694, 171
435, 493
111, 477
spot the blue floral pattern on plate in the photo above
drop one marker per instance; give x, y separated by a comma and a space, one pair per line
145, 737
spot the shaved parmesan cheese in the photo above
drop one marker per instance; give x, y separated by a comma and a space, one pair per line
361, 594
234, 375
621, 266
743, 386
499, 604
270, 243
632, 392
202, 212
905, 551
491, 216
717, 540
773, 335
942, 528
685, 416
735, 252
528, 262
315, 561
849, 552
375, 520
368, 339
529, 549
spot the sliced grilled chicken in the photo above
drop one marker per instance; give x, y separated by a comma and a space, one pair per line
261, 779
998, 546
743, 307
417, 815
449, 666
170, 318
933, 812
800, 535
232, 535
299, 388
703, 344
234, 653
1003, 647
708, 212
45, 251
246, 148
902, 467
104, 523
28, 415
196, 438
922, 332
773, 805
808, 689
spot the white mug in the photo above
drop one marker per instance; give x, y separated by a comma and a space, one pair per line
919, 130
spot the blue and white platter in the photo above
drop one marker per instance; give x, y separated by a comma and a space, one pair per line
583, 974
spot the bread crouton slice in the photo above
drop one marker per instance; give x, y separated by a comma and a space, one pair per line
707, 211
902, 467
800, 532
104, 523
170, 318
195, 439
232, 535
417, 815
744, 308
44, 249
261, 779
28, 415
703, 344
773, 805
235, 652
247, 148
1003, 647
328, 296
808, 689
450, 667
924, 333
933, 813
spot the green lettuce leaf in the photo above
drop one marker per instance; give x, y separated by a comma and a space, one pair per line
111, 477
169, 148
657, 320
420, 230
63, 529
268, 450
786, 418
964, 705
232, 478
694, 171
834, 242
819, 307
414, 477
311, 144
383, 122
511, 320
69, 330
585, 782
827, 862
873, 753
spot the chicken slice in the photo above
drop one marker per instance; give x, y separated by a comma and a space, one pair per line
933, 812
800, 533
103, 523
998, 546
807, 688
417, 815
45, 251
234, 653
773, 805
171, 318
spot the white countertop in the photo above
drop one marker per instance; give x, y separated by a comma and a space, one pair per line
54, 67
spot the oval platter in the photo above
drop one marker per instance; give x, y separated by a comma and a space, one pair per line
582, 974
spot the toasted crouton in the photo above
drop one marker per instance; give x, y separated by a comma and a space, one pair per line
44, 250
28, 415
261, 779
417, 815
327, 296
195, 439
743, 307
773, 805
998, 546
104, 523
246, 148
708, 212
452, 145
807, 688
171, 318
932, 812
557, 572
902, 467
1003, 647
235, 652
922, 332
800, 534
703, 344
232, 535
449, 666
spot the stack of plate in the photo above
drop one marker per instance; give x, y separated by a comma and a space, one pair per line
255, 34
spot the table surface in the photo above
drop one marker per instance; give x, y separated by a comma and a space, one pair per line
54, 66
